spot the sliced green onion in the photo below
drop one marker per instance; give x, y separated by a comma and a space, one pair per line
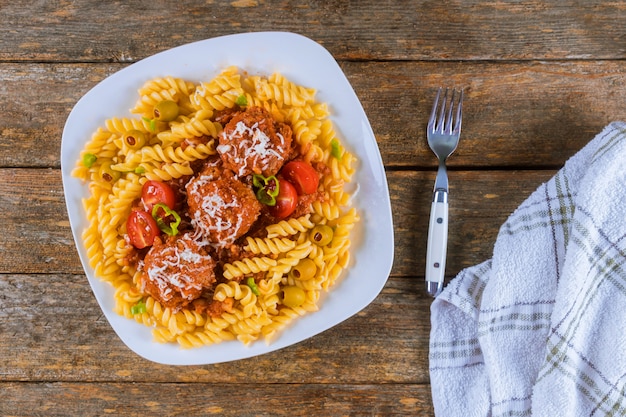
138, 308
89, 159
335, 149
250, 283
241, 100
151, 123
169, 229
140, 170
267, 189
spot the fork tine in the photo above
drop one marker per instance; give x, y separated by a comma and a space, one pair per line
433, 114
442, 113
447, 126
457, 124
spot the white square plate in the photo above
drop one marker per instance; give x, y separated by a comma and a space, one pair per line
304, 62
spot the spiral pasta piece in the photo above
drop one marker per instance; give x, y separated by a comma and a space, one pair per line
145, 104
267, 246
166, 171
220, 93
248, 266
179, 85
124, 192
284, 92
173, 154
196, 126
327, 210
289, 227
228, 79
124, 124
291, 258
201, 338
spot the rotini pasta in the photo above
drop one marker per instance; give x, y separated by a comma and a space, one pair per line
289, 227
257, 283
268, 246
248, 266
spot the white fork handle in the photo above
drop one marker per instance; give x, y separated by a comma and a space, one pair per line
437, 243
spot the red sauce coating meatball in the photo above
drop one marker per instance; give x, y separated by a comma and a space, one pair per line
177, 271
221, 210
253, 143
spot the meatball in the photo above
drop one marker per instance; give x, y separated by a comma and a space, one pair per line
177, 271
222, 209
253, 143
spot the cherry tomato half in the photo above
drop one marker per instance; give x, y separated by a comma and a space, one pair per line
142, 229
286, 200
155, 192
302, 175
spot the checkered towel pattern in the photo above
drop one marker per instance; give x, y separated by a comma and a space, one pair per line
540, 328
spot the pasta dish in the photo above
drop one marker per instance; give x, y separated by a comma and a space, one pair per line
219, 210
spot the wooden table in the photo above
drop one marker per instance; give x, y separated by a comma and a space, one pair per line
541, 79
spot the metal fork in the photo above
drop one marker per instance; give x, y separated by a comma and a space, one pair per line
444, 129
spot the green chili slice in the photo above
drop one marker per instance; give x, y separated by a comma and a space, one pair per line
170, 229
151, 123
89, 159
267, 189
138, 308
250, 283
242, 100
265, 198
335, 149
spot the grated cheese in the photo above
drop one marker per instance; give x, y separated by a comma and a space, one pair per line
178, 266
252, 147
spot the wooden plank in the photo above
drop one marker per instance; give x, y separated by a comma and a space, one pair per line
529, 115
206, 399
38, 228
31, 122
524, 115
392, 30
54, 331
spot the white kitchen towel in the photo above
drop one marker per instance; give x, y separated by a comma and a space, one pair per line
540, 328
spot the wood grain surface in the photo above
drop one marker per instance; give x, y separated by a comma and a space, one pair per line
541, 79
